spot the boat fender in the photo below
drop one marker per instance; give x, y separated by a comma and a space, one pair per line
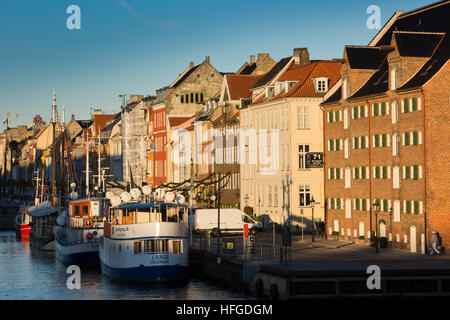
89, 236
88, 223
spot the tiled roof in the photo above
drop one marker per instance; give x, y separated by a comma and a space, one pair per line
176, 121
362, 57
377, 84
273, 72
185, 75
319, 69
431, 67
248, 69
240, 85
431, 18
417, 44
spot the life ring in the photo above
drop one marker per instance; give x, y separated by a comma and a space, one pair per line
89, 236
88, 223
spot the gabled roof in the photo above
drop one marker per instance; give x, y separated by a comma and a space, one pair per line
183, 76
335, 97
85, 123
176, 121
239, 85
377, 84
273, 72
430, 18
330, 69
363, 57
417, 44
247, 68
431, 67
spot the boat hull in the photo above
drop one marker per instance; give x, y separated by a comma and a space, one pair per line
85, 254
147, 273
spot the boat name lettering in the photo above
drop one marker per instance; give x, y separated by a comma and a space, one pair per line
160, 259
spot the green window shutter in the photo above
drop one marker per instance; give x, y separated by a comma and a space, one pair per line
408, 206
355, 112
405, 105
406, 138
415, 138
338, 173
408, 172
384, 172
331, 144
337, 145
331, 173
383, 140
363, 142
416, 207
383, 108
416, 172
385, 205
364, 207
375, 109
363, 172
362, 112
336, 115
332, 203
377, 172
356, 143
356, 204
338, 203
356, 173
377, 142
330, 116
414, 104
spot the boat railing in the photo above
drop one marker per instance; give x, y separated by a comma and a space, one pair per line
85, 222
76, 236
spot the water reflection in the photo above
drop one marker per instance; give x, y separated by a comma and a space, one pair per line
28, 273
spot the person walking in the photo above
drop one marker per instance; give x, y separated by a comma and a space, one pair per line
434, 243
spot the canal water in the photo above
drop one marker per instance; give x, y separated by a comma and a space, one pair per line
27, 273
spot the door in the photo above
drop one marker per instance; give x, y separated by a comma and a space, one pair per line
412, 238
382, 228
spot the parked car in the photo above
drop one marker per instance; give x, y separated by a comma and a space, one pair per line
231, 221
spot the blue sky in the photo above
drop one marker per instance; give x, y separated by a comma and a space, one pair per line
137, 46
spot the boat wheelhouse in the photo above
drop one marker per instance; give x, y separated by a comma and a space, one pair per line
78, 232
146, 242
23, 225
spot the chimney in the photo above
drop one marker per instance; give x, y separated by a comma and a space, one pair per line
252, 59
73, 118
191, 64
301, 56
207, 59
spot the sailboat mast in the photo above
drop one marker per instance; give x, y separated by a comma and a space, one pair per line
54, 150
62, 168
87, 170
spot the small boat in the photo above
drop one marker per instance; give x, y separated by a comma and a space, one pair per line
23, 224
43, 220
145, 242
78, 232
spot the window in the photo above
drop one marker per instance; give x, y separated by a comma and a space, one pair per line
269, 204
414, 104
85, 210
394, 78
345, 89
304, 195
362, 111
395, 145
348, 208
394, 112
363, 142
348, 174
405, 105
375, 109
322, 85
383, 108
303, 118
396, 210
347, 148
76, 210
303, 149
346, 118
396, 179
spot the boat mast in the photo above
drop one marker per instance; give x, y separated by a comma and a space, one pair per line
62, 169
54, 150
87, 170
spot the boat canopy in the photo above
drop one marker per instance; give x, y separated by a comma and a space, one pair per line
139, 205
42, 209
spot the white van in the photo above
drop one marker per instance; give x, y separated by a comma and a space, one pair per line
231, 220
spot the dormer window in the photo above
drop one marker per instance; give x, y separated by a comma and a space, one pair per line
321, 84
394, 78
270, 92
345, 89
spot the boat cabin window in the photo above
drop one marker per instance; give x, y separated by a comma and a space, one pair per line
155, 246
76, 210
85, 210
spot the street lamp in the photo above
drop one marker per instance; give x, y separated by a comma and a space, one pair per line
312, 202
376, 208
390, 221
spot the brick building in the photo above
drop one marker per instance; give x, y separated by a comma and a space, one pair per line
386, 134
